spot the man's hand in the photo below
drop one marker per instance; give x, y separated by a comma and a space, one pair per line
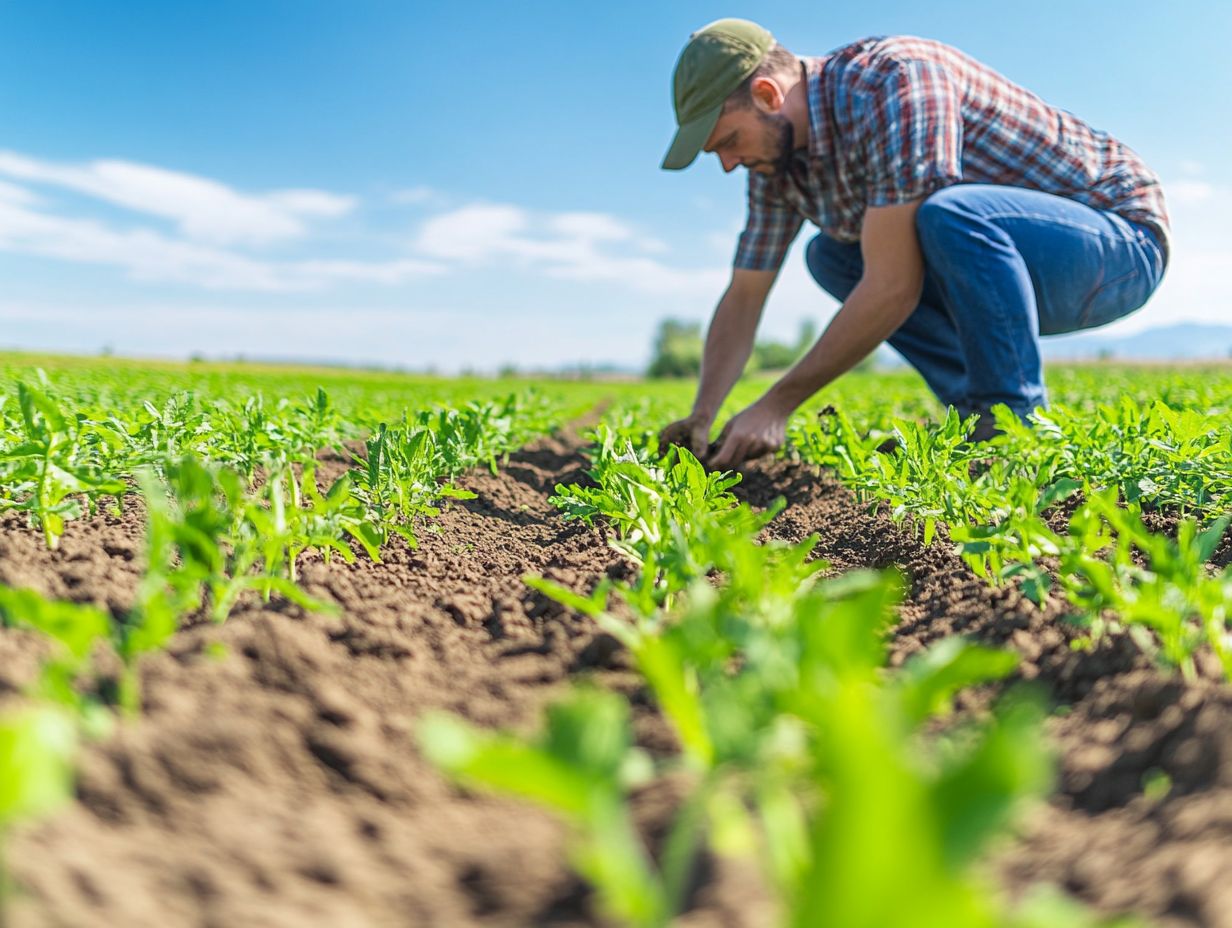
692, 432
758, 430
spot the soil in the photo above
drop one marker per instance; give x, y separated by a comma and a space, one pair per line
273, 779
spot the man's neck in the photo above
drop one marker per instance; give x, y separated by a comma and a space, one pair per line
796, 108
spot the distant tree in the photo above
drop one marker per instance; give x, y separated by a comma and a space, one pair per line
777, 356
807, 337
772, 356
677, 349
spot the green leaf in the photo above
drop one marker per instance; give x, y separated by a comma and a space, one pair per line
75, 626
676, 689
927, 683
592, 605
979, 790
36, 750
1210, 538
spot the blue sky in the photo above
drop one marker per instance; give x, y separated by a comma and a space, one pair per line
478, 184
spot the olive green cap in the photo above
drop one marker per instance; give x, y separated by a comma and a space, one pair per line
715, 62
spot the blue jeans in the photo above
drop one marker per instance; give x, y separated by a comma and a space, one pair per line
1005, 265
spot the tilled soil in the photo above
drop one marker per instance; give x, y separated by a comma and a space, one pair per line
273, 778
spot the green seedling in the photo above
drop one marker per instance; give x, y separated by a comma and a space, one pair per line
47, 477
1171, 598
76, 630
1013, 547
36, 751
582, 768
787, 723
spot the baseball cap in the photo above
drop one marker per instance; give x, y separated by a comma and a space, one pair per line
715, 62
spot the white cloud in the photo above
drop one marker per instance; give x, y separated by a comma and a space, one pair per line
150, 256
203, 209
596, 227
414, 196
377, 272
1189, 191
11, 193
470, 233
653, 246
564, 246
311, 202
216, 230
218, 227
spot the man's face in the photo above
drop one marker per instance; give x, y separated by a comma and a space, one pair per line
757, 140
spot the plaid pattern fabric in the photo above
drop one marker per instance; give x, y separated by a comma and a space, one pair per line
893, 119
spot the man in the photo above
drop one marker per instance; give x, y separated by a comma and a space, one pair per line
961, 218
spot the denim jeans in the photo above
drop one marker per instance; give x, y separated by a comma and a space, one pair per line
1005, 265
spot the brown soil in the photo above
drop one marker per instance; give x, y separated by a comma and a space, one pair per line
277, 782
1120, 722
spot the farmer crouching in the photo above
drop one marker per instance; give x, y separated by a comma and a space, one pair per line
961, 218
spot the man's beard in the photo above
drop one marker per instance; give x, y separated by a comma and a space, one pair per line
780, 136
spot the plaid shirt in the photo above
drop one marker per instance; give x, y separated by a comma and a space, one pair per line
893, 119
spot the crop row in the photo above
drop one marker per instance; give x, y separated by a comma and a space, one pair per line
1059, 507
798, 748
232, 501
65, 456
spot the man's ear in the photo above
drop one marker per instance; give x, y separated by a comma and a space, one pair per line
767, 95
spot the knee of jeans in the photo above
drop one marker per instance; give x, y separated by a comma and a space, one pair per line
829, 267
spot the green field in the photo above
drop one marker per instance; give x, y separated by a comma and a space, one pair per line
822, 714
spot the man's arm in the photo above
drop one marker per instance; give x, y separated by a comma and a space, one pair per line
729, 342
886, 295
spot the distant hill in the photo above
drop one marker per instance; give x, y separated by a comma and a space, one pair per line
1185, 341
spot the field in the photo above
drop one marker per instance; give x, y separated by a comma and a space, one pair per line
312, 647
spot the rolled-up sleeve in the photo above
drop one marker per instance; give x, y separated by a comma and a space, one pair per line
913, 141
771, 227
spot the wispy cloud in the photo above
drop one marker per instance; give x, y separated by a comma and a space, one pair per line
217, 233
148, 255
414, 196
568, 246
1190, 191
203, 210
11, 193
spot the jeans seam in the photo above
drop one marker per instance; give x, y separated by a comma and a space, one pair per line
1044, 217
1084, 316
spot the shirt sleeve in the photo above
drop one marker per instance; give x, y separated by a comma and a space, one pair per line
772, 225
913, 119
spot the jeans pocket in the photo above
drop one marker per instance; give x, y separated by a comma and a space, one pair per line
1112, 300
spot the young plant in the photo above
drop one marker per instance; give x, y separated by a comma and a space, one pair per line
37, 745
47, 479
76, 629
1170, 603
581, 767
1012, 547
